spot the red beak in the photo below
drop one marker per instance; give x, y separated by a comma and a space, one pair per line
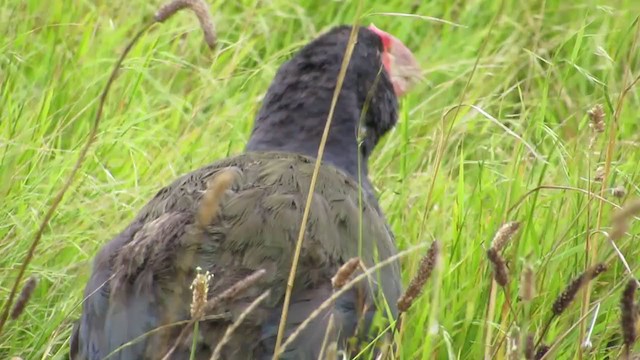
399, 62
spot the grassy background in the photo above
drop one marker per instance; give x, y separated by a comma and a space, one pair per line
177, 106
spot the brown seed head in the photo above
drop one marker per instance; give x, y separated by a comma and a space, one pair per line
599, 175
529, 348
199, 7
596, 118
622, 217
541, 351
566, 297
619, 192
427, 264
344, 273
24, 297
504, 234
500, 271
629, 313
527, 289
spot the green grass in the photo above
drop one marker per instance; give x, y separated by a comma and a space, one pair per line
177, 106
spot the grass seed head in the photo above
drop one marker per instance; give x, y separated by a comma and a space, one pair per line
504, 235
541, 351
596, 118
527, 283
629, 313
24, 297
500, 271
427, 264
210, 203
200, 291
622, 218
344, 273
599, 175
529, 347
568, 295
619, 192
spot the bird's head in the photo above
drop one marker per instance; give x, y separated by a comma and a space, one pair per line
398, 61
381, 69
295, 109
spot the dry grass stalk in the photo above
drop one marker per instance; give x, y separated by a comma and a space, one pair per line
199, 7
527, 290
504, 235
234, 290
568, 295
210, 202
344, 273
500, 271
622, 217
629, 315
233, 327
427, 264
327, 333
200, 291
24, 297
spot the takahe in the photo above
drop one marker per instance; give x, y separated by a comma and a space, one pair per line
141, 279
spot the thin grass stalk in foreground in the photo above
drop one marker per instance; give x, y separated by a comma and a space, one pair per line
227, 335
81, 157
559, 187
316, 312
314, 177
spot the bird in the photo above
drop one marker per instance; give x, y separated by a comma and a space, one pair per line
241, 215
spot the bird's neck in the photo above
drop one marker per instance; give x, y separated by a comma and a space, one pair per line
298, 128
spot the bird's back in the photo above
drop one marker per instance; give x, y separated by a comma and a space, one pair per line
147, 270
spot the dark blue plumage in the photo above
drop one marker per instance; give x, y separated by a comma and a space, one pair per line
140, 279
